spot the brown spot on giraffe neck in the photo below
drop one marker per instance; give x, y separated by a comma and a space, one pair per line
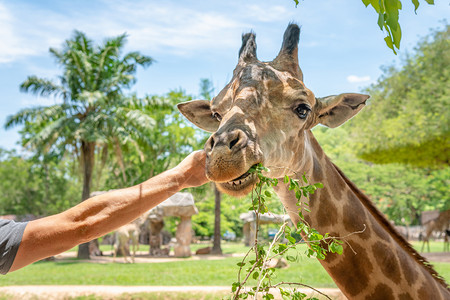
387, 261
380, 231
326, 213
405, 296
335, 183
353, 271
428, 292
381, 292
317, 174
408, 269
355, 217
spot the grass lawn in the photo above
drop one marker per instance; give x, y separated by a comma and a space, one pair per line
186, 272
203, 272
434, 246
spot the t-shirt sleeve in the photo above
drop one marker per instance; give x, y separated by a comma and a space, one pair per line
10, 237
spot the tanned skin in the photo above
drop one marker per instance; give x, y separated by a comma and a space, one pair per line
102, 214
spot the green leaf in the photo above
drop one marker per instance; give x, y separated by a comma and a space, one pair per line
286, 179
416, 5
234, 286
431, 2
290, 258
268, 194
380, 21
240, 264
304, 178
291, 239
255, 275
282, 247
389, 43
318, 185
336, 248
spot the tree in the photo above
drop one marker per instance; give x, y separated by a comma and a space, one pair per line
388, 13
169, 141
37, 187
407, 119
206, 91
94, 113
400, 191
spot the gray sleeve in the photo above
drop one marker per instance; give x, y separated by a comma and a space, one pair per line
10, 237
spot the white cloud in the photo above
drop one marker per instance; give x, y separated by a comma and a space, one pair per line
271, 14
153, 27
11, 46
166, 27
358, 79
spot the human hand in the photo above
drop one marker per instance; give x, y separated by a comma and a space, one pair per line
193, 169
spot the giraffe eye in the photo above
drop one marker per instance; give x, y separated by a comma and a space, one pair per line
217, 116
302, 111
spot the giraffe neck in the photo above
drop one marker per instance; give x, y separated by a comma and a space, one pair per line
377, 263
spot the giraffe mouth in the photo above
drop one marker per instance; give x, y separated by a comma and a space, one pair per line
240, 185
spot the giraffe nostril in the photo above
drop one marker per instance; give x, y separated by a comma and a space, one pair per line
234, 142
212, 143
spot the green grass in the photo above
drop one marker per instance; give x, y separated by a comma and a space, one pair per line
144, 296
221, 272
434, 246
188, 272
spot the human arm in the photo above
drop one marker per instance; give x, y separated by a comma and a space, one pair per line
102, 214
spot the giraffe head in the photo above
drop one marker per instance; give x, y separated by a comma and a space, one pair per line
263, 115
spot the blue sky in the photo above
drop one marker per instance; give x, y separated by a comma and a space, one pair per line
341, 46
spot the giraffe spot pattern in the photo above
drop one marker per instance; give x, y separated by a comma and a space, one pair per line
352, 273
408, 269
296, 85
381, 292
387, 261
327, 212
429, 287
379, 230
317, 171
355, 216
427, 292
336, 185
405, 296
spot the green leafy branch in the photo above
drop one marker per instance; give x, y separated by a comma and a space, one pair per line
388, 14
258, 268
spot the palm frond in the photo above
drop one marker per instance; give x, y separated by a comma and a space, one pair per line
42, 87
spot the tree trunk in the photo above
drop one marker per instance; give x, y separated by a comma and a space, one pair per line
87, 156
216, 246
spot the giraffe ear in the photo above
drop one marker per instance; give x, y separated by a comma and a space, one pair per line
335, 110
199, 113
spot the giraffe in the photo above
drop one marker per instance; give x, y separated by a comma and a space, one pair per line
128, 233
265, 115
441, 224
125, 234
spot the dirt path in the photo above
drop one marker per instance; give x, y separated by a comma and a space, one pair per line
110, 292
37, 292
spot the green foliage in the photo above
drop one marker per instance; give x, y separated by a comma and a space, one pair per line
401, 192
36, 187
407, 119
259, 256
388, 13
94, 115
158, 147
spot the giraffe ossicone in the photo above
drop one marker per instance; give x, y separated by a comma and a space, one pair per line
265, 115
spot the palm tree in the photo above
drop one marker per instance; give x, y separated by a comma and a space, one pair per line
94, 115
